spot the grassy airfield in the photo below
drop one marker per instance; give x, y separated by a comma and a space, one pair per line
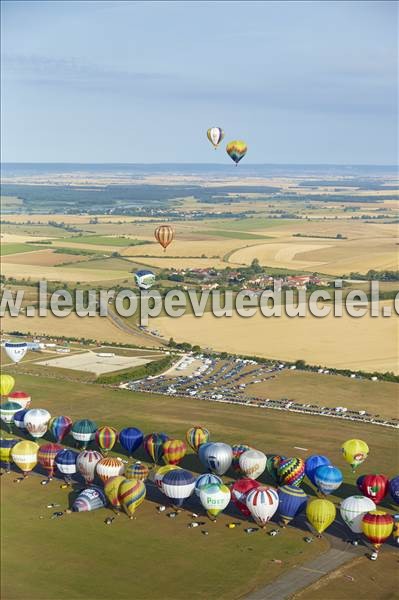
83, 558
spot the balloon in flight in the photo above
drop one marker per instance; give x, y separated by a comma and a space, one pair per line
16, 350
153, 445
19, 419
354, 452
272, 464
65, 461
236, 150
353, 509
394, 489
215, 136
159, 473
164, 234
7, 412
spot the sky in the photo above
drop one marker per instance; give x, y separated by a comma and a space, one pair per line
140, 82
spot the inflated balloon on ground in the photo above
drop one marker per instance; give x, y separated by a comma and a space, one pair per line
353, 509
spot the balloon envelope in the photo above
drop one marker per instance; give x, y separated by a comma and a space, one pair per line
158, 476
138, 471
36, 422
214, 498
111, 490
252, 463
216, 456
272, 464
106, 438
21, 397
262, 503
144, 279
65, 461
164, 234
237, 450
19, 417
239, 491
8, 410
328, 478
16, 350
178, 485
236, 150
374, 487
353, 509
86, 464
291, 471
377, 526
46, 457
311, 464
59, 427
7, 382
24, 454
394, 489
355, 452
130, 439
206, 479
84, 431
131, 495
153, 445
292, 501
91, 498
109, 467
173, 451
196, 436
6, 445
320, 514
215, 135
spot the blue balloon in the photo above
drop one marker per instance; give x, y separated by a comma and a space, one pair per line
311, 464
394, 489
90, 499
178, 485
292, 500
19, 419
328, 479
130, 439
65, 461
206, 479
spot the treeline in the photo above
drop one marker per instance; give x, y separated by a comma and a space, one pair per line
152, 368
373, 275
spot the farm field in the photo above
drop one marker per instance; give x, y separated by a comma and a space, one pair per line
376, 397
363, 344
16, 248
93, 362
43, 258
152, 535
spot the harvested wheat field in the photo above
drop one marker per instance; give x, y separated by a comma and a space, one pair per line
36, 272
42, 258
356, 343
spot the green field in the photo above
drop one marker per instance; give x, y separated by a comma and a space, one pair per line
102, 240
67, 557
250, 223
17, 248
234, 235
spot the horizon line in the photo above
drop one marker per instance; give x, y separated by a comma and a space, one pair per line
395, 166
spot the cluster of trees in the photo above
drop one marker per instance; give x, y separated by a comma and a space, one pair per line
373, 275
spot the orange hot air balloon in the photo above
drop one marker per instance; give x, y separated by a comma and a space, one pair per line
164, 234
377, 526
174, 451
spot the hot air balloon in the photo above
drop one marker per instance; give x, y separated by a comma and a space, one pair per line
19, 421
237, 450
130, 439
374, 487
6, 445
292, 501
109, 467
239, 491
7, 412
131, 495
111, 490
106, 438
144, 279
6, 384
320, 514
173, 451
215, 136
65, 461
311, 464
178, 485
214, 498
86, 464
46, 457
252, 463
83, 432
205, 479
236, 150
327, 479
36, 422
21, 397
355, 452
377, 526
196, 436
291, 471
91, 498
16, 350
59, 427
262, 503
138, 471
158, 476
394, 489
24, 454
153, 445
164, 234
272, 464
353, 509
216, 456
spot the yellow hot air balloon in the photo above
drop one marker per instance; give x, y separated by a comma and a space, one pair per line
320, 514
111, 490
131, 495
164, 234
6, 384
377, 526
355, 452
24, 454
236, 150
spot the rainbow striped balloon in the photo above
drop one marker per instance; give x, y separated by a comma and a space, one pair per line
131, 495
106, 438
111, 490
174, 451
138, 471
6, 445
46, 457
238, 449
153, 445
196, 436
59, 427
291, 471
